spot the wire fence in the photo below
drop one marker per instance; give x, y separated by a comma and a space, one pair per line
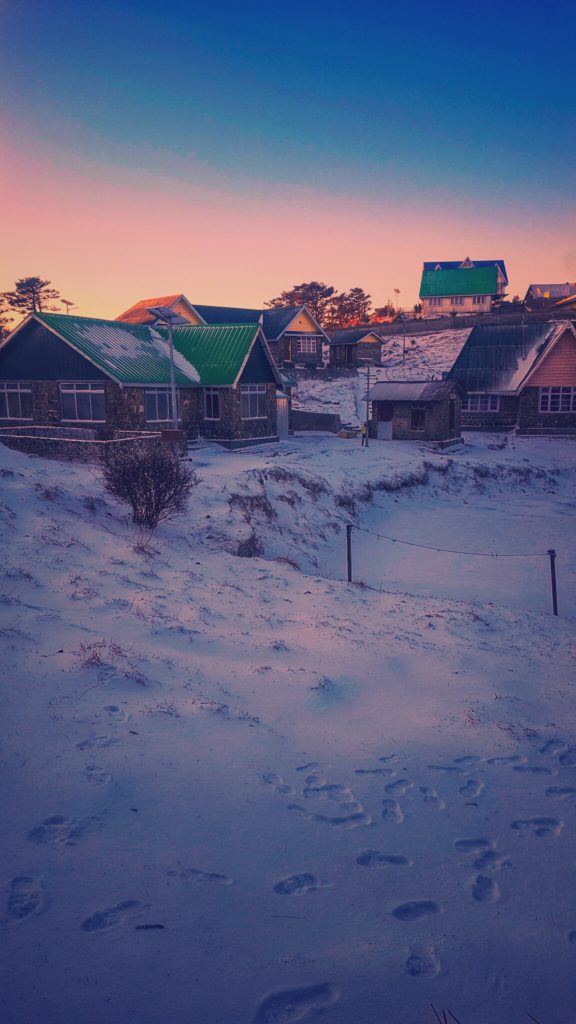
550, 554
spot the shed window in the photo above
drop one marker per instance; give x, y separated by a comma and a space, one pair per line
478, 300
457, 300
558, 399
307, 345
84, 402
15, 401
158, 405
417, 418
212, 404
479, 402
253, 401
435, 301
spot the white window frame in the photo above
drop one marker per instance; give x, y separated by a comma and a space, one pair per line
150, 393
435, 301
456, 300
307, 346
557, 397
481, 401
213, 393
15, 388
252, 394
478, 300
83, 388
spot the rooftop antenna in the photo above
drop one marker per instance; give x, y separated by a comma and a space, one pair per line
68, 304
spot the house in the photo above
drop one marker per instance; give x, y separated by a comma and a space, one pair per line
468, 286
58, 370
546, 296
348, 346
416, 410
519, 375
291, 332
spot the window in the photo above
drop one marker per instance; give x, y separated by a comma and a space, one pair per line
15, 401
158, 405
211, 404
417, 418
85, 402
558, 399
457, 300
479, 402
253, 401
307, 345
478, 300
435, 302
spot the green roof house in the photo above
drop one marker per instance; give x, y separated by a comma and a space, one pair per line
461, 287
109, 376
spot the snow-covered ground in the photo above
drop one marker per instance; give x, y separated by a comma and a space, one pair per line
423, 357
243, 791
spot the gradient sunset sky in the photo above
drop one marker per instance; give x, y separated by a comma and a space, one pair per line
231, 150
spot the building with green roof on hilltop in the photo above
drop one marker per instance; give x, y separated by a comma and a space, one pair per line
469, 286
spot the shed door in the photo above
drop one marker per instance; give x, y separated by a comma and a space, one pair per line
385, 412
282, 415
452, 417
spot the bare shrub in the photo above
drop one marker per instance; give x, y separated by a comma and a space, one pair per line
153, 481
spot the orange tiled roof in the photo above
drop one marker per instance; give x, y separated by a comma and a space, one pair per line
138, 314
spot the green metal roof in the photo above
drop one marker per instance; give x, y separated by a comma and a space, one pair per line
129, 353
462, 281
218, 352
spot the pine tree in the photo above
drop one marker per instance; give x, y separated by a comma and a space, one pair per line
315, 295
31, 295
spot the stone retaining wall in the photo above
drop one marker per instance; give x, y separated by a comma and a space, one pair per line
54, 443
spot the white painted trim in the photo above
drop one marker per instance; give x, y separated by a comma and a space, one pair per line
558, 332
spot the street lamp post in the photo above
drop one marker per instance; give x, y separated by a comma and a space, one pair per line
167, 317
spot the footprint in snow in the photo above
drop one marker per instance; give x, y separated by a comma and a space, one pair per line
467, 759
430, 796
541, 827
375, 859
96, 741
491, 860
416, 910
96, 775
503, 762
423, 962
297, 885
533, 769
60, 831
392, 812
115, 713
472, 788
485, 890
25, 897
194, 875
341, 822
272, 779
398, 788
552, 747
561, 792
296, 1004
473, 845
104, 919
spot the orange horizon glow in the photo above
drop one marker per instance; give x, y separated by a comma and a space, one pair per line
106, 237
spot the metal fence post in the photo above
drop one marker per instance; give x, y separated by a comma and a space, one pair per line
552, 556
349, 550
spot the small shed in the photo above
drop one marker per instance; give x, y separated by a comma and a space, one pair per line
416, 410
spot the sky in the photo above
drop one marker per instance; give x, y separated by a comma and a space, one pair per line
229, 151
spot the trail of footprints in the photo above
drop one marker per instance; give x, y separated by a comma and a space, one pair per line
25, 895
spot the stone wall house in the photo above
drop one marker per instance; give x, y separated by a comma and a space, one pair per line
70, 371
416, 410
519, 376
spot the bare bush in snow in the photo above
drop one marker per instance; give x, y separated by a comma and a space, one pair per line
154, 482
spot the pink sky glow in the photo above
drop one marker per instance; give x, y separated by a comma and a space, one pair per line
108, 236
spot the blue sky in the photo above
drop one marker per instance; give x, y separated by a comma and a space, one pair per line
472, 104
